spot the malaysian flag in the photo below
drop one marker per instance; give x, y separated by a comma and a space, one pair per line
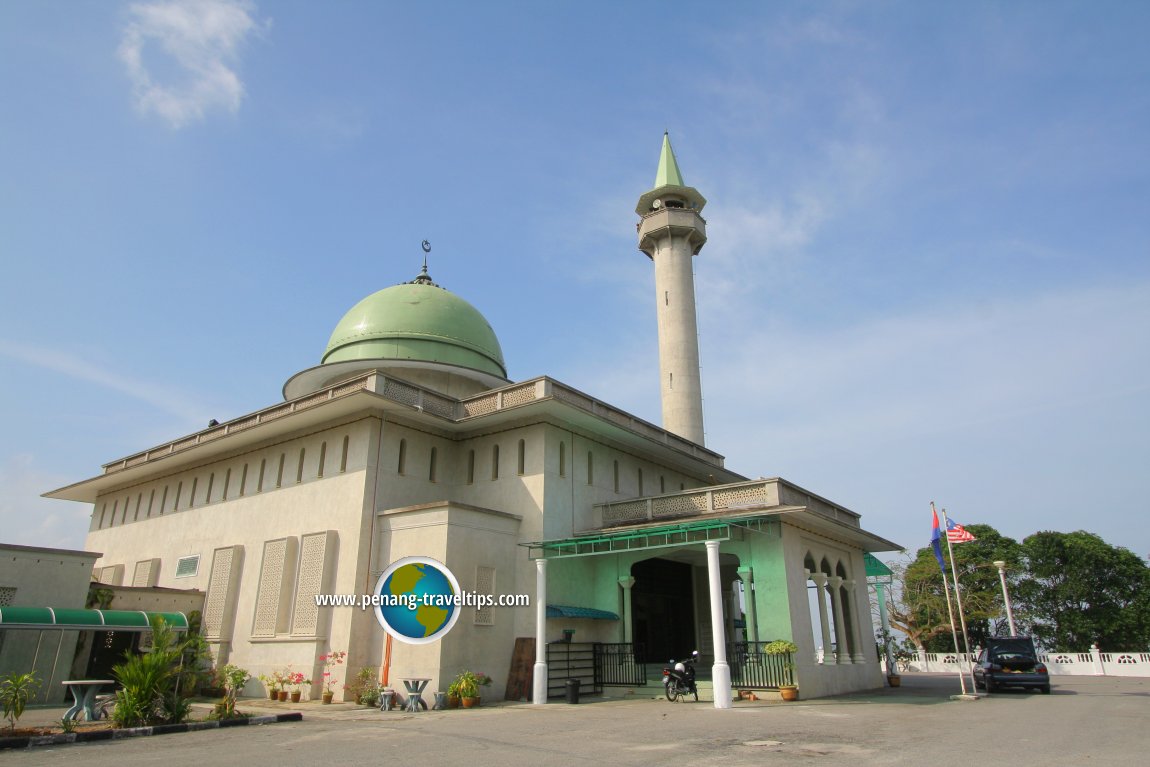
956, 533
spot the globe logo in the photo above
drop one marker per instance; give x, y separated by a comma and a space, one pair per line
418, 600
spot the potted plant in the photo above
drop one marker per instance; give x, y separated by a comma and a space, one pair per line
295, 679
281, 678
468, 684
453, 696
330, 660
365, 687
786, 649
271, 684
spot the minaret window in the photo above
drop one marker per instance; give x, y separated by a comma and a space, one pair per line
179, 492
640, 481
495, 461
322, 458
343, 458
227, 485
521, 462
163, 500
211, 484
562, 459
616, 477
244, 481
151, 501
260, 481
470, 467
401, 466
299, 469
432, 467
192, 495
280, 470
590, 468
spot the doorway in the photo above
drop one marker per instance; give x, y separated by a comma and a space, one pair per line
663, 609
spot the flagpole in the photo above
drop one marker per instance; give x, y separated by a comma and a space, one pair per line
957, 593
950, 612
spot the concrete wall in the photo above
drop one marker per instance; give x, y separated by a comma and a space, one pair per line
31, 576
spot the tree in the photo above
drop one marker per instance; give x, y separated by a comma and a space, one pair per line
919, 604
1079, 590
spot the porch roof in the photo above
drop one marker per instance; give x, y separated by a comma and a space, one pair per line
40, 618
663, 535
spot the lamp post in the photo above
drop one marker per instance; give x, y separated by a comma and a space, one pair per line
1006, 596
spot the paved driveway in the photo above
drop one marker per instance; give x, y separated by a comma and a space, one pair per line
1087, 720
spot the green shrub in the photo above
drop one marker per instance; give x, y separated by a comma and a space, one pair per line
15, 690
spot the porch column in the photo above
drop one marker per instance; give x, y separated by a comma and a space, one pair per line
880, 592
842, 648
857, 654
539, 675
720, 672
747, 577
820, 580
627, 582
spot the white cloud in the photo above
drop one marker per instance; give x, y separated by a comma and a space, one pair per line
161, 397
201, 38
935, 372
28, 519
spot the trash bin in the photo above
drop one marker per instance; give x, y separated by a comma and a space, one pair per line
572, 690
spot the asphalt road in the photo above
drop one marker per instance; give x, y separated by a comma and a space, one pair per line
1087, 720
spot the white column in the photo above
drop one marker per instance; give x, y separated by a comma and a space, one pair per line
880, 592
842, 654
857, 654
627, 582
720, 672
539, 676
748, 580
820, 580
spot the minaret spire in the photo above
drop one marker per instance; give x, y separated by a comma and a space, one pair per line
671, 232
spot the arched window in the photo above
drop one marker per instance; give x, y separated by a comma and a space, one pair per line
280, 471
431, 468
299, 468
227, 484
260, 483
662, 484
495, 461
322, 458
401, 466
244, 481
163, 500
343, 458
192, 495
151, 502
211, 484
521, 462
179, 493
470, 467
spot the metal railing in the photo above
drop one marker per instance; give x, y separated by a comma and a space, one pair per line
615, 665
753, 669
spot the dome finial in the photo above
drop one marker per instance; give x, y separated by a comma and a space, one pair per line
424, 278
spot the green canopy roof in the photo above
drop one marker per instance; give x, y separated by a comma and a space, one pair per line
85, 620
567, 611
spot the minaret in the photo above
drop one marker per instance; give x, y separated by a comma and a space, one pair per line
671, 233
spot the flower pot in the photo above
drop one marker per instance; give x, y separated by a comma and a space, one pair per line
453, 701
789, 692
273, 694
894, 680
295, 696
281, 696
471, 702
327, 697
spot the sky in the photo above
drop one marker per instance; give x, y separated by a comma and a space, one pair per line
927, 276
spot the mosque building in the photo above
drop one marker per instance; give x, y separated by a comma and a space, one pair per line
633, 541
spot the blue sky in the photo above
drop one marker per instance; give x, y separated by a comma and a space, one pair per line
928, 273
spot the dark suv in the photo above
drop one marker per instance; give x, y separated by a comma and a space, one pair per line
1010, 662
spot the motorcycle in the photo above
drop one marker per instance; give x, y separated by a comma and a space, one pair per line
679, 678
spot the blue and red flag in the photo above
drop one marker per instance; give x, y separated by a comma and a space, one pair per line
936, 540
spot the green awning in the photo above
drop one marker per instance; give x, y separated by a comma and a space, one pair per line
665, 535
85, 620
876, 570
566, 611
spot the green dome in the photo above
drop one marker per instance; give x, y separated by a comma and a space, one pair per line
417, 321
